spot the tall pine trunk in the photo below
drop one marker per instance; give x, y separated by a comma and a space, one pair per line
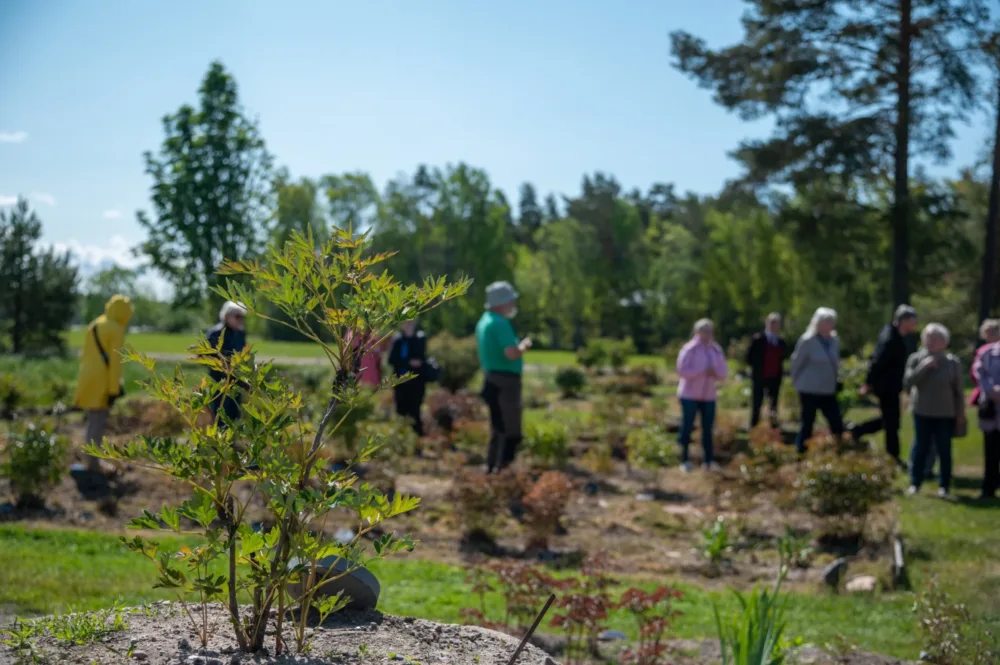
986, 300
901, 190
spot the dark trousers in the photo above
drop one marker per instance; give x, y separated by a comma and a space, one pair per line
409, 397
229, 405
929, 432
991, 453
770, 387
502, 393
689, 409
828, 406
888, 405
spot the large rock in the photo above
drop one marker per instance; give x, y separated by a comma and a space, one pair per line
359, 584
862, 584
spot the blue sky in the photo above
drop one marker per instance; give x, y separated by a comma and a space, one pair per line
536, 90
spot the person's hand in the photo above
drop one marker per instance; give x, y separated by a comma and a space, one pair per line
929, 362
865, 389
415, 364
525, 344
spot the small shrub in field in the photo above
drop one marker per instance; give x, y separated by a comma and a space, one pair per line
458, 359
272, 454
583, 610
522, 586
650, 448
794, 550
646, 372
844, 485
619, 352
598, 460
652, 612
448, 408
12, 395
481, 499
471, 435
949, 634
535, 396
594, 354
623, 384
571, 381
545, 504
761, 467
715, 541
548, 442
33, 460
395, 437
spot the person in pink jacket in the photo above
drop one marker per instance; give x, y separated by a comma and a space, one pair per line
700, 364
370, 371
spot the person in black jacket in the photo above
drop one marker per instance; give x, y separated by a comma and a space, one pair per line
766, 358
408, 354
885, 377
232, 331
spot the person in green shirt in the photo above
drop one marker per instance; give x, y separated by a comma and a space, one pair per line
501, 355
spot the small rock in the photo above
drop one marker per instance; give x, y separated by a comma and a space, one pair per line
862, 584
612, 635
644, 496
834, 572
183, 644
140, 655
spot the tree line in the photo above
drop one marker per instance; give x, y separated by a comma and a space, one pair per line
829, 210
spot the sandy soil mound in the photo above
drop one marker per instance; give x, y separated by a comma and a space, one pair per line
165, 637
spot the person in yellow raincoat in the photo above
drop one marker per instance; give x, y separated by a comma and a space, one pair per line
99, 383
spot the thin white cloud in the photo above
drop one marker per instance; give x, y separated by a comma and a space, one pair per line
13, 137
7, 200
117, 251
42, 197
112, 213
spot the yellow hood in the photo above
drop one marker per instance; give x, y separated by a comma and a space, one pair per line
118, 309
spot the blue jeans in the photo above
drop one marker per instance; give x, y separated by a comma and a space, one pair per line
936, 433
689, 409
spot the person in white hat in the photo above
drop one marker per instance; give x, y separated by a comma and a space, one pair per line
501, 355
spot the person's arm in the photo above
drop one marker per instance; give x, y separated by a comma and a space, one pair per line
505, 337
686, 366
917, 369
721, 367
981, 370
751, 353
113, 342
878, 358
797, 360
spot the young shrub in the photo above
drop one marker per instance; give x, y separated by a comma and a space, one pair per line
481, 501
753, 634
623, 384
457, 358
448, 408
522, 586
715, 543
598, 460
652, 612
651, 448
12, 395
619, 352
571, 381
545, 504
594, 354
949, 634
471, 435
844, 486
648, 373
34, 461
268, 455
584, 610
548, 442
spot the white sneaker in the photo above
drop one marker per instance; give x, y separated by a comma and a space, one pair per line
942, 493
686, 467
912, 490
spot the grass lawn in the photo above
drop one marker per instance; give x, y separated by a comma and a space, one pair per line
177, 344
50, 570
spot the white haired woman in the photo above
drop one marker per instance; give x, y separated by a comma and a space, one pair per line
937, 400
700, 364
815, 368
229, 336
